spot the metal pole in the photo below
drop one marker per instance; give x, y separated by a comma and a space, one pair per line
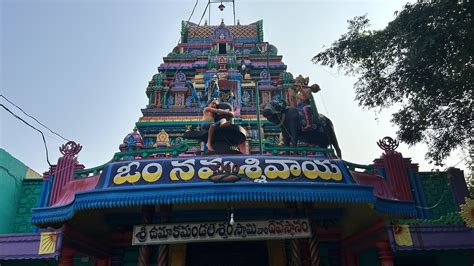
268, 67
259, 125
233, 7
209, 13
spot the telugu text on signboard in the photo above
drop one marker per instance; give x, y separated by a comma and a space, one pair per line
220, 231
221, 169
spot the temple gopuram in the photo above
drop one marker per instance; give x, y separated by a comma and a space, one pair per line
271, 191
242, 63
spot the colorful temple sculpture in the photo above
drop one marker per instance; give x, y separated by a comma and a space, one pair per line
167, 199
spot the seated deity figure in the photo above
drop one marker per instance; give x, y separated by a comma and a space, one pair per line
305, 101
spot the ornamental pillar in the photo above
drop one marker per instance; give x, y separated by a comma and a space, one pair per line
144, 251
294, 243
102, 262
66, 257
157, 99
64, 172
163, 250
395, 167
313, 242
348, 257
117, 257
385, 253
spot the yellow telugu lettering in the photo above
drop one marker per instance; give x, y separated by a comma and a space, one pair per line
251, 168
123, 174
315, 169
206, 172
272, 171
152, 176
179, 173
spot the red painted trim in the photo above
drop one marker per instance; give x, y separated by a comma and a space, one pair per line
397, 175
396, 171
62, 174
66, 257
348, 257
121, 239
102, 262
385, 253
330, 233
377, 227
366, 238
86, 244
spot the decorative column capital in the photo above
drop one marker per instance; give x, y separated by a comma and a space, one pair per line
71, 148
388, 144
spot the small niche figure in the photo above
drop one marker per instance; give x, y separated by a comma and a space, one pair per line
209, 123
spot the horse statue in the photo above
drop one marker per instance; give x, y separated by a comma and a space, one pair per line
289, 121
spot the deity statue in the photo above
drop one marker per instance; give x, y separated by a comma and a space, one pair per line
305, 102
245, 97
213, 88
170, 101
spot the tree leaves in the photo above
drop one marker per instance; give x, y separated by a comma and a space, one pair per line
422, 61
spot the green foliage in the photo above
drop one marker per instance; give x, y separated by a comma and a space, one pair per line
423, 62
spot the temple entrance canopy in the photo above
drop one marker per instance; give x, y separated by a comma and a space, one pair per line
165, 199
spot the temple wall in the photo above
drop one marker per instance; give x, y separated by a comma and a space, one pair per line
28, 198
438, 193
12, 173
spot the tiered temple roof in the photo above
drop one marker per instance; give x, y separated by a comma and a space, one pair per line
241, 59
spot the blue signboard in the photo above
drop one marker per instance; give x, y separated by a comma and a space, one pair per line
259, 169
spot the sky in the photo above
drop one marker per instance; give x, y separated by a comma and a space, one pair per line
81, 67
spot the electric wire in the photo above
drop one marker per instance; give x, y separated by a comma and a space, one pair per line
178, 42
203, 14
192, 12
41, 132
12, 103
324, 104
187, 25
